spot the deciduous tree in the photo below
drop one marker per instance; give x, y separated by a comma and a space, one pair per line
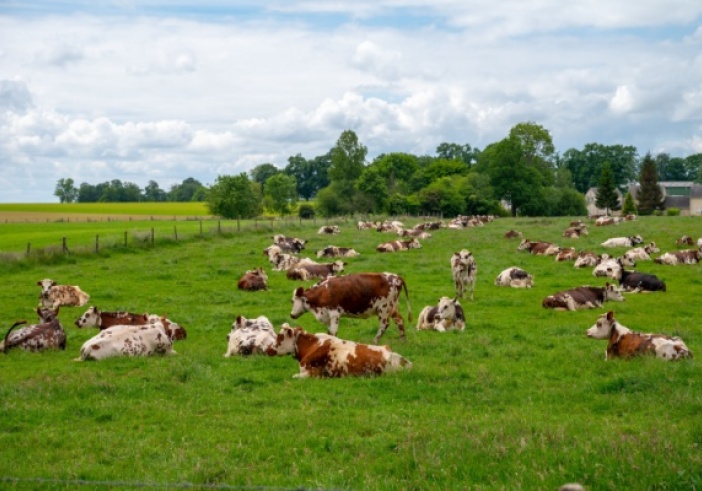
280, 192
66, 190
234, 197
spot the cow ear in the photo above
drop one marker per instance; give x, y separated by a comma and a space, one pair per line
298, 292
38, 283
610, 315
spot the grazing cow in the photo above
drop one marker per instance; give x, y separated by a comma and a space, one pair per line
399, 245
354, 295
538, 247
624, 343
94, 317
567, 254
333, 251
604, 221
419, 234
289, 243
448, 314
464, 272
514, 277
583, 297
250, 336
47, 334
635, 282
585, 259
687, 256
156, 337
322, 355
513, 234
53, 295
253, 279
623, 241
309, 271
329, 229
685, 240
642, 253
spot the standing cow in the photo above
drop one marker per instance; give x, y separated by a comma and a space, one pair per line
54, 295
464, 272
354, 295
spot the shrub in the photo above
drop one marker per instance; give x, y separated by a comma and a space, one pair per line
306, 210
673, 212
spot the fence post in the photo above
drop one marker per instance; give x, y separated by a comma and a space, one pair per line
219, 227
125, 238
175, 232
200, 228
29, 247
65, 249
152, 236
97, 244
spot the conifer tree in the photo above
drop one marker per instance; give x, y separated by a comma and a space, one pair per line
629, 206
607, 196
649, 195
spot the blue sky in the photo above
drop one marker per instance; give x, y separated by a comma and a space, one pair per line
163, 91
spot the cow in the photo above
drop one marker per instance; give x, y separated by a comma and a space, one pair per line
399, 245
514, 277
604, 221
630, 217
322, 355
583, 297
47, 334
354, 295
687, 256
633, 281
334, 251
699, 243
250, 336
329, 229
513, 234
156, 337
623, 241
253, 279
429, 225
611, 266
389, 226
577, 223
625, 343
94, 317
289, 242
367, 225
642, 253
538, 247
464, 272
309, 271
567, 254
685, 240
54, 295
447, 314
283, 262
585, 259
280, 248
419, 234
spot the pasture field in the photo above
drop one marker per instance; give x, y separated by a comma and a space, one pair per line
43, 212
519, 400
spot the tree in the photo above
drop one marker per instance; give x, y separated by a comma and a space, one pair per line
586, 165
185, 191
649, 195
454, 151
693, 166
536, 147
234, 197
629, 206
66, 190
280, 192
397, 168
348, 158
310, 175
262, 172
374, 186
607, 197
87, 193
153, 192
671, 168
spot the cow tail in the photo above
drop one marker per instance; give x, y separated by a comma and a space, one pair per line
5, 346
409, 309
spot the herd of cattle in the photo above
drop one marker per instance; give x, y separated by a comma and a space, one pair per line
364, 295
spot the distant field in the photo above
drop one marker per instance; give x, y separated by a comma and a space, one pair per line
43, 212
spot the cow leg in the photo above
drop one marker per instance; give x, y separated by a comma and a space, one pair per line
333, 325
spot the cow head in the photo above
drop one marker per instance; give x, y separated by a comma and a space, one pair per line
613, 294
300, 304
91, 318
285, 341
326, 251
602, 329
446, 310
636, 239
45, 287
626, 261
525, 244
338, 266
46, 314
414, 244
650, 248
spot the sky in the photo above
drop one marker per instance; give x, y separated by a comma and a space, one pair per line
154, 90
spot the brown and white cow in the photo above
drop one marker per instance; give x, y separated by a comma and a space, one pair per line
329, 229
419, 234
94, 317
538, 247
642, 253
156, 337
354, 295
54, 295
577, 223
625, 343
447, 314
390, 226
585, 259
429, 225
47, 334
514, 277
399, 245
513, 234
583, 297
253, 279
623, 241
334, 251
322, 355
687, 256
312, 271
464, 272
367, 225
567, 254
604, 221
289, 242
685, 240
575, 232
611, 267
250, 336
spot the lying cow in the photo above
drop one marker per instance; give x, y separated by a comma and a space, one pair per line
623, 241
583, 297
429, 225
688, 256
419, 234
322, 355
390, 226
53, 295
685, 240
538, 247
250, 336
464, 272
367, 225
611, 267
575, 232
329, 229
633, 281
513, 234
514, 277
333, 251
604, 221
354, 295
399, 245
567, 254
156, 337
254, 279
585, 259
47, 334
94, 317
624, 343
448, 314
306, 272
289, 242
642, 253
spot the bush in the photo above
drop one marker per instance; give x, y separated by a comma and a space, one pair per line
673, 212
306, 210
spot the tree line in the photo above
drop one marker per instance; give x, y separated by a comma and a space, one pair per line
522, 170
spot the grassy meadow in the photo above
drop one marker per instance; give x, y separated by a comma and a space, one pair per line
520, 400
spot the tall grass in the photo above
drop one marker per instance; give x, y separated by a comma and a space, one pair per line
520, 400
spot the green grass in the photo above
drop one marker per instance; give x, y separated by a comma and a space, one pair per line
520, 400
147, 208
